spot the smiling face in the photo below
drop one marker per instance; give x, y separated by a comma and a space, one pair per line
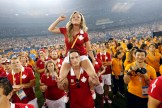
152, 48
15, 64
140, 57
41, 54
102, 47
23, 59
76, 19
54, 55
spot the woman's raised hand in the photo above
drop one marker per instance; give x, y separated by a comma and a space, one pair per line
61, 18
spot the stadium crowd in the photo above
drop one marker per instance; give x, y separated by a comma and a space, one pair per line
36, 41
123, 52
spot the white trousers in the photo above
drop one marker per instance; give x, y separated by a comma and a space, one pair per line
60, 103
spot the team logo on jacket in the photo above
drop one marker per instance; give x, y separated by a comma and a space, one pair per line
26, 106
96, 63
58, 60
84, 79
59, 65
81, 37
72, 80
81, 32
106, 58
24, 76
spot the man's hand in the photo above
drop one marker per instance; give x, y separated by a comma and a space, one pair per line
133, 68
62, 84
17, 87
95, 81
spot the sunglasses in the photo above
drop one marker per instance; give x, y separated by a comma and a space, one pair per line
77, 83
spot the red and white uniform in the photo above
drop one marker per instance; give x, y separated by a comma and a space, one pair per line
79, 45
54, 96
155, 89
105, 57
41, 64
30, 66
58, 63
20, 105
52, 92
27, 76
2, 72
79, 97
97, 67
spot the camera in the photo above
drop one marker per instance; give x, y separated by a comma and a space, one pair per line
141, 70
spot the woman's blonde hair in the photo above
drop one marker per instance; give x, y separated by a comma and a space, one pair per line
46, 69
69, 26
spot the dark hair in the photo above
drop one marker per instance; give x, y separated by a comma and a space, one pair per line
143, 46
135, 47
153, 44
110, 39
141, 50
73, 50
158, 44
117, 53
118, 44
6, 85
129, 46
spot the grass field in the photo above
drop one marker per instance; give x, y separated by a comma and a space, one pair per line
117, 102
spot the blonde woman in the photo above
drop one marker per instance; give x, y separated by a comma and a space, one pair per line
76, 37
54, 96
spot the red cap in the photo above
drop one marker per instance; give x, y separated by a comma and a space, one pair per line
43, 50
6, 61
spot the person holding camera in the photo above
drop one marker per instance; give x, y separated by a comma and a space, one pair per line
138, 76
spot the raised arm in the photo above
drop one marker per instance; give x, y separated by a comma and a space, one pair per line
53, 27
